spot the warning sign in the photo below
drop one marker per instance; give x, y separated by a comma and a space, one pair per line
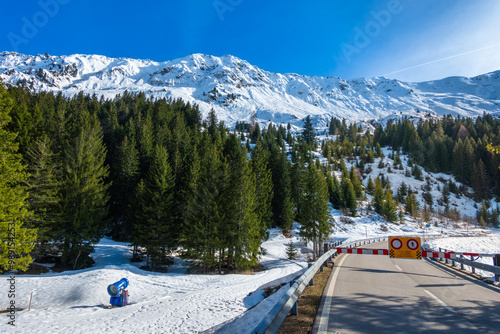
405, 247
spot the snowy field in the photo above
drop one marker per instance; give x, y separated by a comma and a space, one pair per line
72, 302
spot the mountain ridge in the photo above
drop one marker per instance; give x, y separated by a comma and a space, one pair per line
237, 90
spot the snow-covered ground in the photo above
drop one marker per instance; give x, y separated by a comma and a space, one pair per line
489, 244
72, 302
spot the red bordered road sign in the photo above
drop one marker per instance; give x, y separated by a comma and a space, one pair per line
413, 244
396, 243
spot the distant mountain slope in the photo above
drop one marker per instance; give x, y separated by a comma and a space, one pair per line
237, 89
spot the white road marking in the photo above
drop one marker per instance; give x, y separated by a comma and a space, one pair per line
325, 315
399, 268
440, 301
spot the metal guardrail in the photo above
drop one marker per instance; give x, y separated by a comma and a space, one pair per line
273, 320
275, 317
478, 265
473, 264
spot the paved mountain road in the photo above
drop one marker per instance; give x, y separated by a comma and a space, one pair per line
378, 294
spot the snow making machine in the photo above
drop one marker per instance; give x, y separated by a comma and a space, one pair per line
119, 296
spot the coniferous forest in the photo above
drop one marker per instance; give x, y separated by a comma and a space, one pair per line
158, 175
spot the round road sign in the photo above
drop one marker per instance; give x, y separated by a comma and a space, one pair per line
396, 243
412, 244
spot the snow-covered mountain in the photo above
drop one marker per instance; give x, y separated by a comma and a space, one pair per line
237, 90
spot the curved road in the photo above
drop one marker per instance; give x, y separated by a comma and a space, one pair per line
378, 294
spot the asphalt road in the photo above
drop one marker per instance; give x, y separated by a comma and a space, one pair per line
378, 294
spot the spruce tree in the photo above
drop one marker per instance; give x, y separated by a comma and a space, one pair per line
264, 186
402, 192
282, 205
370, 188
84, 189
411, 204
241, 231
155, 209
17, 241
44, 188
291, 251
314, 212
349, 196
308, 133
203, 230
127, 169
389, 207
356, 183
334, 190
378, 195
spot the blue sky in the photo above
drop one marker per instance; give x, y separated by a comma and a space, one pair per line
409, 40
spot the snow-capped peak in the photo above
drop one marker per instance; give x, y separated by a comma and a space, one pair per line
236, 90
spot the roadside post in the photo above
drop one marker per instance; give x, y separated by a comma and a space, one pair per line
496, 263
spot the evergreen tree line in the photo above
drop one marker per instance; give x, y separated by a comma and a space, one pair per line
152, 173
452, 145
457, 146
140, 171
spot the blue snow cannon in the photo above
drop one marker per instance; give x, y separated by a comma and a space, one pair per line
119, 296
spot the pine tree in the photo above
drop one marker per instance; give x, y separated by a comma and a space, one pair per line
155, 209
388, 206
356, 183
17, 241
378, 195
308, 133
264, 186
370, 188
314, 212
84, 191
349, 196
411, 204
291, 251
44, 191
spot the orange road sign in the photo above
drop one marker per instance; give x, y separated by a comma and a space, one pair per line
405, 247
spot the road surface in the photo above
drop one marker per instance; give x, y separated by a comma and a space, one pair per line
379, 294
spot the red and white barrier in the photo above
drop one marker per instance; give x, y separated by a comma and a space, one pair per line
441, 255
367, 251
362, 251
